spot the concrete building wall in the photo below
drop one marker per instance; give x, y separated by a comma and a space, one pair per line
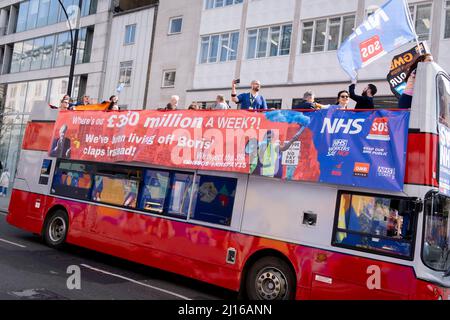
174, 52
138, 53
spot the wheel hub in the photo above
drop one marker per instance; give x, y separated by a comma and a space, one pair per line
57, 229
271, 284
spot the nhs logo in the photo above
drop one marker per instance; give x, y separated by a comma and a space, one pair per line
347, 126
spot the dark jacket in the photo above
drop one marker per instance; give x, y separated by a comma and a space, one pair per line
60, 149
362, 102
304, 105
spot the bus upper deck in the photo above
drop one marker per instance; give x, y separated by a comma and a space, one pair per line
219, 224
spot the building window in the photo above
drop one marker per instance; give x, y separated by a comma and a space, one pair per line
219, 47
326, 34
269, 41
130, 33
32, 14
27, 51
126, 68
85, 45
169, 78
447, 20
175, 25
421, 16
22, 16
39, 13
210, 4
35, 54
378, 224
274, 103
63, 47
16, 57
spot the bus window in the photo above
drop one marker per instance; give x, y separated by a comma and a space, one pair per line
180, 194
154, 191
376, 224
436, 247
117, 186
214, 199
443, 85
72, 180
45, 171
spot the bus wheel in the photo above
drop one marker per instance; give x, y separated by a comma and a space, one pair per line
55, 230
270, 278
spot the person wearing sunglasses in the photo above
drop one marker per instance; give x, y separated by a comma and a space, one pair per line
342, 99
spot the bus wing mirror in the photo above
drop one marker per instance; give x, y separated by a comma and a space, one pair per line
418, 206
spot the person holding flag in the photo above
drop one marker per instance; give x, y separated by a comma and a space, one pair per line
385, 30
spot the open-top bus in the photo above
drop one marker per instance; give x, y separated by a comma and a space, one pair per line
275, 239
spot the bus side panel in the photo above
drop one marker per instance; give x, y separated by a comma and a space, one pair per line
201, 253
18, 212
422, 290
179, 247
300, 257
421, 159
344, 276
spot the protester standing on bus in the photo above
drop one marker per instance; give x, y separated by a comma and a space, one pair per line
406, 99
252, 100
113, 100
364, 101
342, 99
84, 101
64, 105
220, 103
4, 182
193, 106
173, 103
308, 101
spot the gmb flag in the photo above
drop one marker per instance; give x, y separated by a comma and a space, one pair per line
386, 29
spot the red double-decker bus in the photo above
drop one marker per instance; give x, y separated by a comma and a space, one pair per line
272, 239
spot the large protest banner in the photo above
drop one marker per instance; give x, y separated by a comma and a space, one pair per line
365, 149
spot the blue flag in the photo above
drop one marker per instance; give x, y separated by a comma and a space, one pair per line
385, 30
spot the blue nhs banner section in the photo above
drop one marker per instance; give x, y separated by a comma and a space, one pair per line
385, 30
364, 149
444, 160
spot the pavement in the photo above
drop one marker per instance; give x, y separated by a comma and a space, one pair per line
29, 270
4, 203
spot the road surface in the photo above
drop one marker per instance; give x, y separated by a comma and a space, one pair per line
31, 270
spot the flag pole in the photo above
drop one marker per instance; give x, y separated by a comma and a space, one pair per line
410, 19
419, 46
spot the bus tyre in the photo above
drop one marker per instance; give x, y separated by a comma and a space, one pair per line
55, 229
270, 278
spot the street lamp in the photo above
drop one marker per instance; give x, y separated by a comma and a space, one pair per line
74, 41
